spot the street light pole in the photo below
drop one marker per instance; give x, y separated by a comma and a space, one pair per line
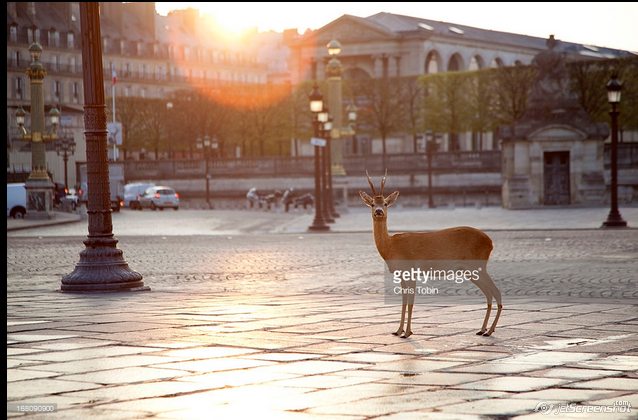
430, 147
326, 127
334, 71
206, 145
614, 88
65, 147
39, 185
102, 267
316, 106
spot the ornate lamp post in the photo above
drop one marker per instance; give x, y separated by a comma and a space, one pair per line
316, 106
102, 267
351, 110
325, 122
333, 71
65, 147
431, 146
207, 146
169, 108
614, 88
39, 186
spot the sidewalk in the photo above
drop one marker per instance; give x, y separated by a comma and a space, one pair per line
359, 219
59, 218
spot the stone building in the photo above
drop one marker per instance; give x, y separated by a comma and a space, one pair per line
387, 44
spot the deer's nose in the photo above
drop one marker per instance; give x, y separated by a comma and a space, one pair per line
378, 212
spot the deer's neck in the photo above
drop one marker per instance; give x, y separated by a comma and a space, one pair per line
381, 237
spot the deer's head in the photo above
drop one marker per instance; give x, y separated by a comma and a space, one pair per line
378, 203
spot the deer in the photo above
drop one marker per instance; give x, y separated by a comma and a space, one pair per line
452, 244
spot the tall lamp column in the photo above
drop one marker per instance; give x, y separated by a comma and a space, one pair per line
102, 267
39, 185
316, 106
614, 88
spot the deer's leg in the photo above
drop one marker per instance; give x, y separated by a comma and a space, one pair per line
408, 328
483, 286
400, 330
404, 299
499, 302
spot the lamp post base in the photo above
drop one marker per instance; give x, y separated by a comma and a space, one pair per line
614, 224
318, 228
102, 268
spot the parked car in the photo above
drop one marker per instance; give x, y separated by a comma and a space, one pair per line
71, 198
16, 200
159, 197
132, 193
116, 199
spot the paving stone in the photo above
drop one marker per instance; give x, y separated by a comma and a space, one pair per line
125, 375
607, 383
513, 383
20, 390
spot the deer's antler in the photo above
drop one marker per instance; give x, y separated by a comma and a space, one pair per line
383, 180
374, 192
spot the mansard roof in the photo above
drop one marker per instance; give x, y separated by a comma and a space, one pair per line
406, 25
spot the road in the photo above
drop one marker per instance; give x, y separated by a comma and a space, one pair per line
175, 250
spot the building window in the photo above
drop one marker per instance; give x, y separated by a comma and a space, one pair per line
54, 38
76, 90
19, 87
57, 89
127, 91
13, 33
143, 92
70, 40
17, 59
30, 35
72, 64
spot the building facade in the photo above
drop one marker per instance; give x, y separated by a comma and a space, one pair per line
390, 45
144, 55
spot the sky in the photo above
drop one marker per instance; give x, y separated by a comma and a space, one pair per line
610, 25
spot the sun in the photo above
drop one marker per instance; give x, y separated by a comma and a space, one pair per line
230, 20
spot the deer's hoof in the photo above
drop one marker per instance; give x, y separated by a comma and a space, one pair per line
480, 332
398, 332
487, 334
406, 334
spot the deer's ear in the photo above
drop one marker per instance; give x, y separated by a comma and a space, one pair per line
389, 200
368, 201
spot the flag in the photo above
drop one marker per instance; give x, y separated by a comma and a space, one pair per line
114, 76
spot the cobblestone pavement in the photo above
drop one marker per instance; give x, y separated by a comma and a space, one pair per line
295, 326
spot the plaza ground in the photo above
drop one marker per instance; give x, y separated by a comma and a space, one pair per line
251, 315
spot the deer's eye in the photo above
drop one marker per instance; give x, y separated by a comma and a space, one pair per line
385, 204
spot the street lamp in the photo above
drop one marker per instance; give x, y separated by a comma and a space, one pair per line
614, 88
39, 185
351, 110
316, 107
65, 147
169, 107
431, 146
102, 267
207, 145
333, 72
325, 122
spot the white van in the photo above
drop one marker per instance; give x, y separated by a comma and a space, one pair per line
16, 200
